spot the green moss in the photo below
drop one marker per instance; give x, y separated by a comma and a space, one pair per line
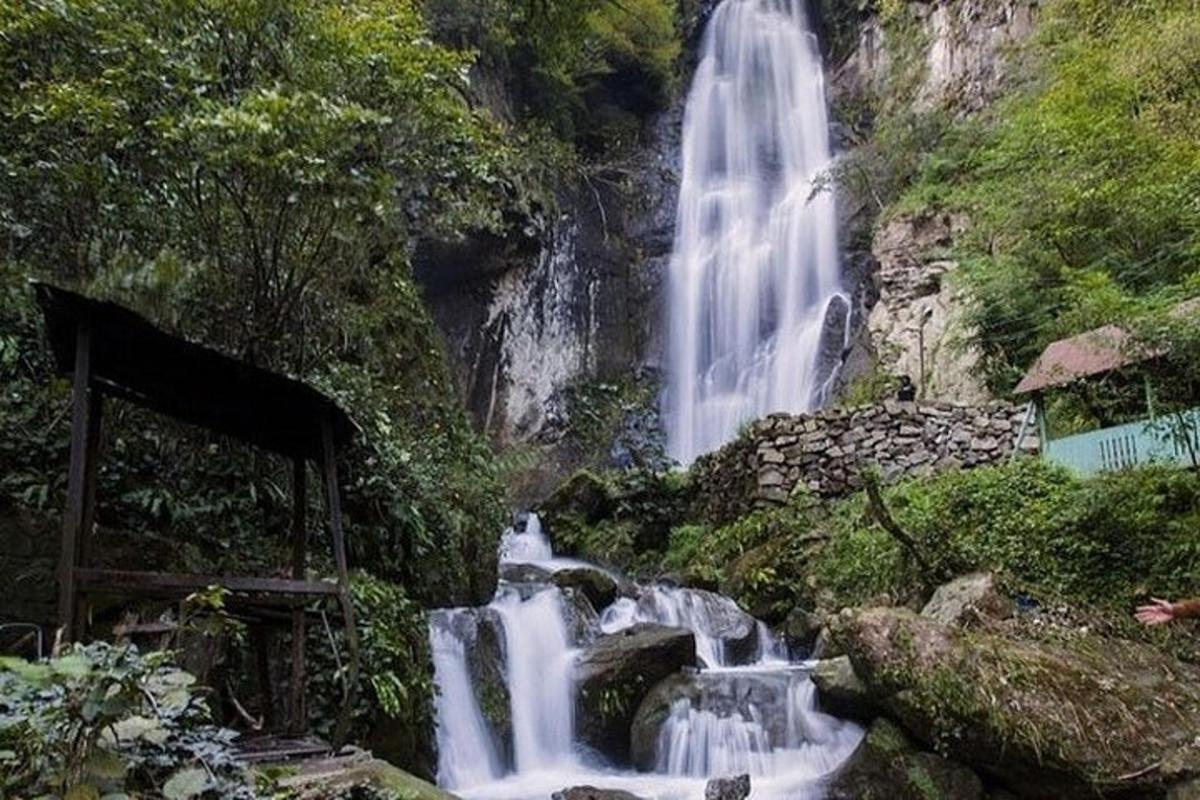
921, 782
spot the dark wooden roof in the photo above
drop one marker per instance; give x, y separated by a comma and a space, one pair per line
135, 360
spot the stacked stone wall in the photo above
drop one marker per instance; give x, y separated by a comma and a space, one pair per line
825, 453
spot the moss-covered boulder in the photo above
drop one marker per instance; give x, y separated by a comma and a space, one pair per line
967, 598
593, 793
486, 660
349, 775
618, 518
1079, 717
614, 675
888, 766
841, 692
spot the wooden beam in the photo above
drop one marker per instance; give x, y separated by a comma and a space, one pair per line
73, 518
296, 712
124, 581
334, 507
87, 527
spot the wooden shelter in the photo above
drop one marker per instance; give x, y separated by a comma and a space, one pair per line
1089, 356
111, 351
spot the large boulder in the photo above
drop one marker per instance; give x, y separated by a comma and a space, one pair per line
968, 597
583, 623
840, 690
800, 629
515, 572
888, 766
593, 793
737, 788
614, 675
1081, 717
598, 586
486, 660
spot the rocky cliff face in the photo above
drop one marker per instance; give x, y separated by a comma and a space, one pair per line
944, 57
580, 302
578, 305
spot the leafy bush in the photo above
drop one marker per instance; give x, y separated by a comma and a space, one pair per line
104, 720
393, 711
1081, 183
1104, 541
590, 69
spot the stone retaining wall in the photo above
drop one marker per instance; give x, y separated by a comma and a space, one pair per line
824, 453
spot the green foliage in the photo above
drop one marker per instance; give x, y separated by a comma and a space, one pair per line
1081, 184
1101, 542
252, 175
395, 697
622, 519
590, 69
105, 720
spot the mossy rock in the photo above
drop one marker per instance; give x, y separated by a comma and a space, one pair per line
1079, 717
615, 674
339, 776
596, 585
585, 495
888, 766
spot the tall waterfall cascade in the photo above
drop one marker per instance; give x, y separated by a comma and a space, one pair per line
748, 709
755, 287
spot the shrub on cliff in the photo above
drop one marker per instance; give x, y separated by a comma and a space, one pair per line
1103, 541
1081, 183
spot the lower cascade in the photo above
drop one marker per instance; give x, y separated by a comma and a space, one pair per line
743, 708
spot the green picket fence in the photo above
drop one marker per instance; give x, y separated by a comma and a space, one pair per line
1170, 439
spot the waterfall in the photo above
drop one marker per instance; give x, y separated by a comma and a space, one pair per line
755, 270
701, 743
525, 545
466, 753
539, 678
763, 722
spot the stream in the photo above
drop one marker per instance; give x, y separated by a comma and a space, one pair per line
748, 709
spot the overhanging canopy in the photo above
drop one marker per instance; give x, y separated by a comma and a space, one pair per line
1091, 353
133, 359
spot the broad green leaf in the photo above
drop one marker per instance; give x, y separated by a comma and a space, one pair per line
34, 673
186, 783
145, 728
72, 666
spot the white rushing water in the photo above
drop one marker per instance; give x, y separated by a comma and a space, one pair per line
466, 751
755, 268
758, 716
539, 678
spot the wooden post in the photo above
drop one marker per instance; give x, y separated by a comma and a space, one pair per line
1043, 423
74, 518
88, 525
262, 659
296, 711
333, 503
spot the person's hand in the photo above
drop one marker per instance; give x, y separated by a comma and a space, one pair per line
1159, 612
